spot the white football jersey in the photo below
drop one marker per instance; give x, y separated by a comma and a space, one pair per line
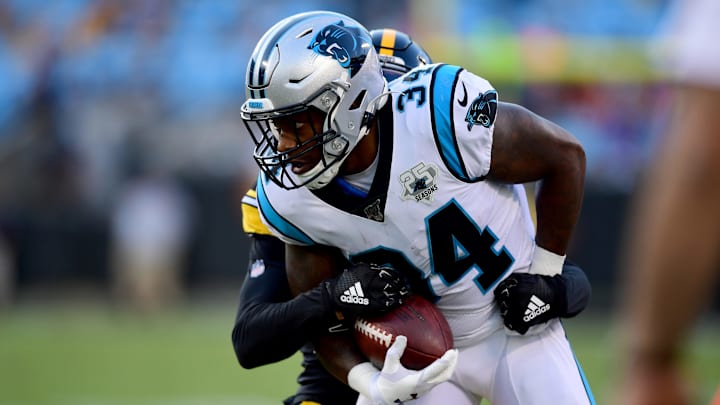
429, 211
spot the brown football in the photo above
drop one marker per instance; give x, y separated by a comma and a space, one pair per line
427, 331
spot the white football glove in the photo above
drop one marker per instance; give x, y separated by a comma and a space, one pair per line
395, 383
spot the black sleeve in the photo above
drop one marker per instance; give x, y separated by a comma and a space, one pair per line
270, 326
577, 289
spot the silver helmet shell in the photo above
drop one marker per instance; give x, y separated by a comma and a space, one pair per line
321, 60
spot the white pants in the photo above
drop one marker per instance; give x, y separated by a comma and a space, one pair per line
536, 369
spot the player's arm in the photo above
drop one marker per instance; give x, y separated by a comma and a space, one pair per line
527, 148
270, 326
308, 266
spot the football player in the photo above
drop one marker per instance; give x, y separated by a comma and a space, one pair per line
425, 176
266, 283
270, 324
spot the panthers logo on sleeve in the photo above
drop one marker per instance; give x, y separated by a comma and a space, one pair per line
348, 45
482, 110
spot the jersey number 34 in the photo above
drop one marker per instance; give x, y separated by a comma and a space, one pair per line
456, 246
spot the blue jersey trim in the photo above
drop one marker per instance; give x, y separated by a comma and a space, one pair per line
444, 79
588, 391
350, 189
276, 220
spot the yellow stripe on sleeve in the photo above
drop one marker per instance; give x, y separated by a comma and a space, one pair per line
251, 216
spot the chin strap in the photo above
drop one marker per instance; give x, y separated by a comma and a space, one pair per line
373, 106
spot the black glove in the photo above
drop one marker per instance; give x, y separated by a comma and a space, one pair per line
367, 289
526, 300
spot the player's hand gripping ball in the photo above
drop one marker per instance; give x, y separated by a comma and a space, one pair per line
366, 288
427, 331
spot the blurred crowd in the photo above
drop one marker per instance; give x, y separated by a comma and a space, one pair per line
122, 150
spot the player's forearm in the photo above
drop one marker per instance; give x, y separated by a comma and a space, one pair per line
559, 199
339, 354
307, 268
269, 332
528, 148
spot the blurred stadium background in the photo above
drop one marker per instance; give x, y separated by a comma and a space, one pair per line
123, 161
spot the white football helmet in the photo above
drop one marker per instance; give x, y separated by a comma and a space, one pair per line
321, 60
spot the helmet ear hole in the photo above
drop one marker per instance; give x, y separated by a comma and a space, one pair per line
358, 101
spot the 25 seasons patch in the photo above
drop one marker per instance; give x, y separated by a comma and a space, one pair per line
419, 182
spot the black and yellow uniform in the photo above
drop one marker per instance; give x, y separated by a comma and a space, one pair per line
271, 325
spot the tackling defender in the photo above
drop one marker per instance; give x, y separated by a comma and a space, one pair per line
418, 189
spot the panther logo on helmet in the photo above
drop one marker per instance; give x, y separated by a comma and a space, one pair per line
482, 110
344, 44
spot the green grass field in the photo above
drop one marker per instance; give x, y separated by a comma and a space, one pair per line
84, 355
